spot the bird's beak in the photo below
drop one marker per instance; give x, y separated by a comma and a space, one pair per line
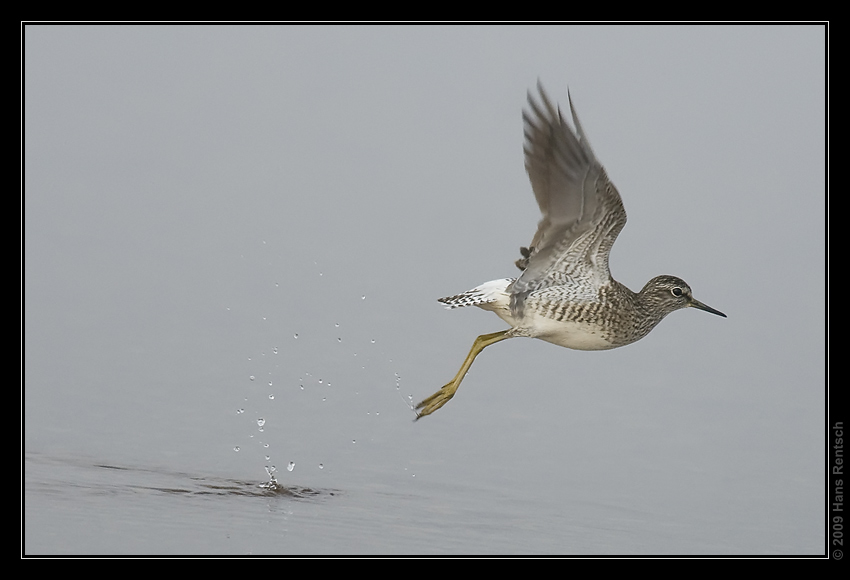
701, 306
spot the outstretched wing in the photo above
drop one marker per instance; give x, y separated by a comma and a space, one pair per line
582, 210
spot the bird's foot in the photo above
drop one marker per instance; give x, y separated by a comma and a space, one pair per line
437, 400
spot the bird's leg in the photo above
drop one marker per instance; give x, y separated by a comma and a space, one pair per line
442, 396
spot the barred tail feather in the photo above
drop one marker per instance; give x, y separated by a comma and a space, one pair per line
486, 293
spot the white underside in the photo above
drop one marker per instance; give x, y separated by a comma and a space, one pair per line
492, 296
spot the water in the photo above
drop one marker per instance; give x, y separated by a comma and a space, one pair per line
76, 506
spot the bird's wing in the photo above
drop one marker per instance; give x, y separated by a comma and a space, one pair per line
582, 210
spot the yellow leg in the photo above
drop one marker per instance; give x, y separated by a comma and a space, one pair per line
448, 391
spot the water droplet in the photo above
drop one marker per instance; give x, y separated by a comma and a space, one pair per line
291, 466
274, 350
321, 466
240, 411
251, 377
320, 381
296, 335
336, 325
236, 449
339, 339
363, 297
354, 440
373, 341
261, 421
271, 396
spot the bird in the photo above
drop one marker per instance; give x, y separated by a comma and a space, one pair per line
565, 294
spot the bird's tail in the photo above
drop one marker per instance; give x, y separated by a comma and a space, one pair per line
488, 295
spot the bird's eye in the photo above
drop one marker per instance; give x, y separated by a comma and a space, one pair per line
677, 292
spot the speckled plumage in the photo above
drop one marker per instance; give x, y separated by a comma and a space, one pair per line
565, 294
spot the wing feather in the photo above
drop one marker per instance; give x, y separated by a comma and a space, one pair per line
582, 212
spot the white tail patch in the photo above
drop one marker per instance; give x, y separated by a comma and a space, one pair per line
491, 293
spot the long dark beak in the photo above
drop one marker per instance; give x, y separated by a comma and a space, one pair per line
701, 306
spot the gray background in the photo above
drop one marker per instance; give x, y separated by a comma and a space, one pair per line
196, 196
